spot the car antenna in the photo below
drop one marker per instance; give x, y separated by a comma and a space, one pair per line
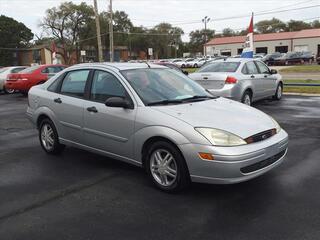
147, 64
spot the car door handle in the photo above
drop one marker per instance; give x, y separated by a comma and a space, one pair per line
265, 76
57, 100
92, 109
252, 76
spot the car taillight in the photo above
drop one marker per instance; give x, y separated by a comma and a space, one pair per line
231, 80
23, 79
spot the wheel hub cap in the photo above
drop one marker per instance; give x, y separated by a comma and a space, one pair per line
163, 167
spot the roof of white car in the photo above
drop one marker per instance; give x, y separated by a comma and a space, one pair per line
121, 66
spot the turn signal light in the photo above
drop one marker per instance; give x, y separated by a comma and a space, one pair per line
231, 80
206, 156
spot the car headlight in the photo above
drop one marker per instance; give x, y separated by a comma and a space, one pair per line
220, 138
277, 126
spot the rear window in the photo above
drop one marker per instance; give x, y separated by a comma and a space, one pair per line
220, 67
30, 69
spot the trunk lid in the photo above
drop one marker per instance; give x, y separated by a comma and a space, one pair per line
211, 80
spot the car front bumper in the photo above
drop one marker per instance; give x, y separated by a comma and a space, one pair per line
235, 164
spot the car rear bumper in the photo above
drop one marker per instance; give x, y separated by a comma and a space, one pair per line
232, 91
22, 86
235, 164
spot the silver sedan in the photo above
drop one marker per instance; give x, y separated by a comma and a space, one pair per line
244, 80
156, 118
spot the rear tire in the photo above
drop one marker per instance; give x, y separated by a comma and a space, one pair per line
49, 139
247, 98
8, 91
166, 167
277, 96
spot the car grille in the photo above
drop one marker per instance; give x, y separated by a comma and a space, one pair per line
262, 164
261, 136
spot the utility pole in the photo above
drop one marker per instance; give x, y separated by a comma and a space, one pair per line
111, 33
205, 20
96, 13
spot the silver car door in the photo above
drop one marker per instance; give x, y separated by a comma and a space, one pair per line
109, 129
68, 103
253, 76
268, 81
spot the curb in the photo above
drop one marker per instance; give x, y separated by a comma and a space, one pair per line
302, 94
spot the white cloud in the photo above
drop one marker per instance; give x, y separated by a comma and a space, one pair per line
178, 12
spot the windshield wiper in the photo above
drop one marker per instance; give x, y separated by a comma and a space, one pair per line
165, 102
198, 97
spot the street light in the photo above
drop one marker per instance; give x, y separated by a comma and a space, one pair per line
205, 20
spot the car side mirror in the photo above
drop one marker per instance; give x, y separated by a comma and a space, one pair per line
273, 71
118, 102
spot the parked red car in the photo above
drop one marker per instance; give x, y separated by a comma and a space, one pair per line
31, 76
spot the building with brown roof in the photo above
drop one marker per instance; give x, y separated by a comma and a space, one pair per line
304, 40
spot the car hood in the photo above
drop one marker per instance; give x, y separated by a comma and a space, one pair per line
221, 113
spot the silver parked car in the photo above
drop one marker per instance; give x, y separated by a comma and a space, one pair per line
240, 79
156, 118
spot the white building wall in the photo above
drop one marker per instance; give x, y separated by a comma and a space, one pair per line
310, 43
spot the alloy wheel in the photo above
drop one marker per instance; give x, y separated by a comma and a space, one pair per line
247, 100
47, 137
279, 92
163, 167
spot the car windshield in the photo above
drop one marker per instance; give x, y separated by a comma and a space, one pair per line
30, 69
163, 86
220, 67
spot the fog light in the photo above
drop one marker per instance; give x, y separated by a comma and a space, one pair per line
206, 156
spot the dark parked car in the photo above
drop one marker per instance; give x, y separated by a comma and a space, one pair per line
269, 59
290, 58
307, 57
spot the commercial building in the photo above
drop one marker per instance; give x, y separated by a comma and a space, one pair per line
304, 40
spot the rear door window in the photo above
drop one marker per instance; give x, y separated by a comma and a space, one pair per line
251, 68
74, 83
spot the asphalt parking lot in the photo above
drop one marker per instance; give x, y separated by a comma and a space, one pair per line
80, 195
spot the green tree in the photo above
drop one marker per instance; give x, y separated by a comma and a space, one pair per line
228, 32
315, 24
65, 23
293, 25
13, 35
197, 39
164, 38
270, 26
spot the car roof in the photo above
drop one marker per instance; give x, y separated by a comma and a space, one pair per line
236, 60
120, 66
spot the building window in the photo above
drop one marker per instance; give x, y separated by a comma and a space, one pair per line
301, 48
262, 50
239, 51
281, 49
226, 52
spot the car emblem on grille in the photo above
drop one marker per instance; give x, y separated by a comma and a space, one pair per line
264, 136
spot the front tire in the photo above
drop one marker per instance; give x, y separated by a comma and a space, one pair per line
278, 94
247, 98
48, 137
166, 167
